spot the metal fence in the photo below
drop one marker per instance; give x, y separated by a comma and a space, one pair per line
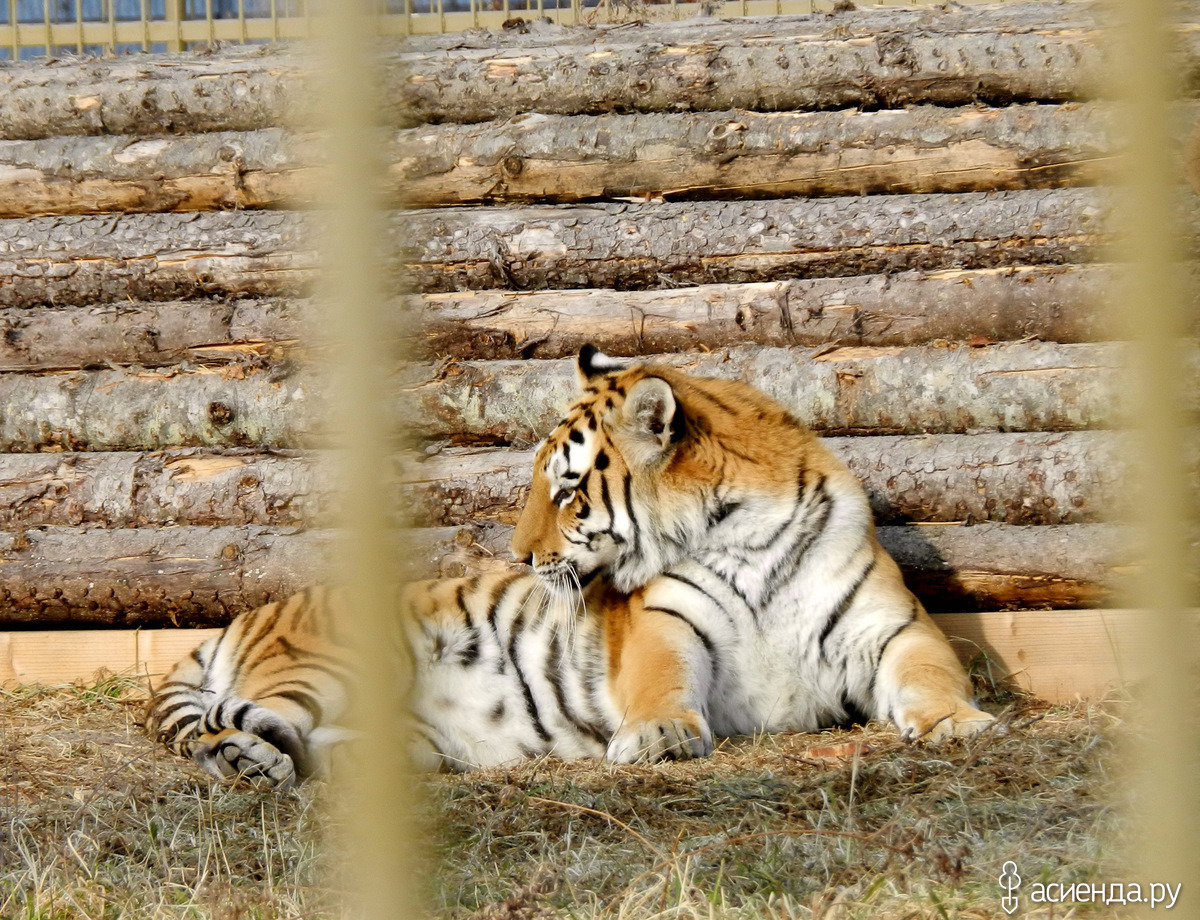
36, 28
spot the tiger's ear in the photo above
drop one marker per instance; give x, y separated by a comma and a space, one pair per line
650, 418
595, 363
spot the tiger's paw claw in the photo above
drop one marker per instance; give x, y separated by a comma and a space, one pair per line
681, 738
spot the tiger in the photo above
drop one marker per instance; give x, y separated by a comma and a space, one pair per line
753, 551
697, 564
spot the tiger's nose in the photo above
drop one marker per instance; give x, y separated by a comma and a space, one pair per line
527, 559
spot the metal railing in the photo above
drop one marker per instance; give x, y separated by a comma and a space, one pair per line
38, 28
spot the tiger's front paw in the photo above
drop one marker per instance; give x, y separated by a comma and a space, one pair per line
232, 755
936, 725
681, 737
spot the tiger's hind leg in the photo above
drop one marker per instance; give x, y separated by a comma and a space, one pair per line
176, 710
240, 739
923, 688
233, 755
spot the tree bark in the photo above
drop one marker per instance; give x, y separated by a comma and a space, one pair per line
193, 487
1050, 303
749, 155
95, 259
196, 172
82, 261
129, 409
685, 243
210, 332
875, 58
848, 390
576, 158
204, 576
1011, 387
790, 63
1029, 479
236, 89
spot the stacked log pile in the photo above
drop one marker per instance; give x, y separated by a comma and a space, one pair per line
888, 220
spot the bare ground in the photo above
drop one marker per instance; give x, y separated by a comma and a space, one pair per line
96, 822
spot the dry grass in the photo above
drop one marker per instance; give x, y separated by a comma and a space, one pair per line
96, 822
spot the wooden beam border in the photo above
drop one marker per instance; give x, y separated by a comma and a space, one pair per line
1058, 655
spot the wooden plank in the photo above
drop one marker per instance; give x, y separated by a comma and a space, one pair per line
66, 656
1058, 655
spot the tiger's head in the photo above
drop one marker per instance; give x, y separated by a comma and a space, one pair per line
648, 465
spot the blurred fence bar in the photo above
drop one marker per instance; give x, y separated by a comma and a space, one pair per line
1151, 236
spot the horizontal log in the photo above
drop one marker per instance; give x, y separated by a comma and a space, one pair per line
1050, 303
1058, 303
784, 63
751, 155
676, 243
203, 576
196, 172
577, 158
180, 576
1052, 478
1010, 387
149, 334
844, 390
853, 59
1056, 478
135, 489
133, 409
84, 260
235, 89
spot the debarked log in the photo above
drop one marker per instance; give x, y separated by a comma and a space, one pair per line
233, 89
151, 334
1010, 387
131, 409
1046, 302
1047, 478
203, 576
751, 155
1056, 303
140, 488
84, 260
877, 58
843, 390
778, 64
1051, 478
654, 245
577, 158
196, 172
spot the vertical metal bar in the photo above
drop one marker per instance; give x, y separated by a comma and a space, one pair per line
147, 45
208, 18
112, 25
274, 20
49, 31
16, 29
354, 229
1150, 229
79, 26
173, 13
242, 18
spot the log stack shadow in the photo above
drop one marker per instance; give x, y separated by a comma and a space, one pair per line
891, 221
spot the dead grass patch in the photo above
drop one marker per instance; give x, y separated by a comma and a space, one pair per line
96, 822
